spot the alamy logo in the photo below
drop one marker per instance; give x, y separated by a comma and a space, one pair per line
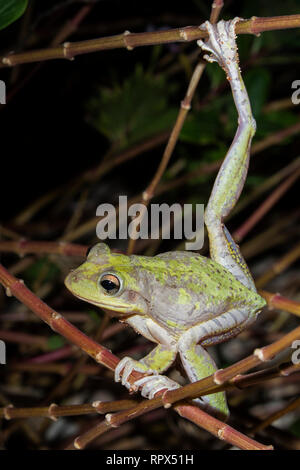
295, 96
2, 92
296, 354
2, 352
154, 222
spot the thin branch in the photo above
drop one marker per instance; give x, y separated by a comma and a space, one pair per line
214, 426
90, 225
266, 185
24, 338
239, 382
211, 384
91, 175
68, 249
280, 302
216, 8
274, 416
54, 411
100, 354
185, 106
279, 266
259, 213
275, 138
274, 235
23, 247
256, 378
103, 356
129, 40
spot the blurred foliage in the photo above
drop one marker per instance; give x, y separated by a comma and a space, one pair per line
43, 269
215, 74
94, 316
10, 11
55, 342
201, 127
141, 106
295, 428
257, 82
134, 110
275, 121
142, 101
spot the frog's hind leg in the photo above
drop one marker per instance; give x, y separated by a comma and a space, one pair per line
232, 174
198, 364
156, 362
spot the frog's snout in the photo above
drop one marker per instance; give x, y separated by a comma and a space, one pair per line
71, 279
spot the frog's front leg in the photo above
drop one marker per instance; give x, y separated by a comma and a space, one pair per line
156, 362
231, 177
198, 364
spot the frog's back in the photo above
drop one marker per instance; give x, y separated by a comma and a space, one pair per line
189, 288
199, 273
202, 271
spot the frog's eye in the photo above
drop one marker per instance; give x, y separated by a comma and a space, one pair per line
111, 283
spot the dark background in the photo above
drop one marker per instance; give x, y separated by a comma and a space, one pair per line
45, 136
47, 140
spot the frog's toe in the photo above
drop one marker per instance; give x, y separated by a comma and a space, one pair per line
119, 368
125, 367
221, 42
155, 383
123, 371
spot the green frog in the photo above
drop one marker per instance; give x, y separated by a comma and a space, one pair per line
182, 301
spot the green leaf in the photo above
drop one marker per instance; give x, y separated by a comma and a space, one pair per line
201, 128
133, 111
11, 10
55, 342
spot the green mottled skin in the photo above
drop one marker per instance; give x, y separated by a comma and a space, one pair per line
176, 289
182, 301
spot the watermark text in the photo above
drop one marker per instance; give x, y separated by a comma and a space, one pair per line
296, 95
153, 222
2, 352
2, 92
296, 354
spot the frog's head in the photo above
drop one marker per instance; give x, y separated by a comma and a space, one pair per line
108, 280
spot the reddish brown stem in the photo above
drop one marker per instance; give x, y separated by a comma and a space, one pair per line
130, 40
22, 247
259, 213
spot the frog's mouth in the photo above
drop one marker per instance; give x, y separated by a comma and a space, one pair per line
117, 308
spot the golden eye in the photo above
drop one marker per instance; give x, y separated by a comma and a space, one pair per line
110, 283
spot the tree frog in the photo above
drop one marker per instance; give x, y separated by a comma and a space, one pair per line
182, 301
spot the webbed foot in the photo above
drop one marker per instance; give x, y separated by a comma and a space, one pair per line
155, 383
221, 42
150, 385
125, 367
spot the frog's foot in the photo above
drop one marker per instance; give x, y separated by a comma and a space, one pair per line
125, 367
155, 383
150, 385
221, 42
